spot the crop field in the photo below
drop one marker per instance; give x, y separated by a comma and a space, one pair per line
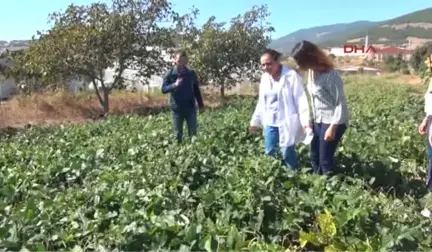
121, 184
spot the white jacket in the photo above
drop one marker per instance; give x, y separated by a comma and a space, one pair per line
293, 107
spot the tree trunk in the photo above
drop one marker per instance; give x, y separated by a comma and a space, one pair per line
222, 93
105, 105
104, 101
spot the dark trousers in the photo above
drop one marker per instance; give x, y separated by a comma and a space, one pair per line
429, 154
179, 117
322, 152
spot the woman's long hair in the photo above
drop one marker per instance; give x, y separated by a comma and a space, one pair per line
309, 56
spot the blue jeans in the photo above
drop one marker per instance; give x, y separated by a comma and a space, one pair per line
179, 117
322, 152
271, 144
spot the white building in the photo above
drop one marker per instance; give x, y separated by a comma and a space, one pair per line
352, 49
341, 52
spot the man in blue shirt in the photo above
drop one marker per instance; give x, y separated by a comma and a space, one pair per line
182, 84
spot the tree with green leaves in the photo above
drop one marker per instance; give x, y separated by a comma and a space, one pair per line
86, 40
27, 81
224, 55
418, 56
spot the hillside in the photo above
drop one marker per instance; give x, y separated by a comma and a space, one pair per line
415, 26
317, 34
13, 45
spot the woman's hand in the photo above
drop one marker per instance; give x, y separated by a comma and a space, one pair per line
422, 127
330, 133
307, 129
253, 129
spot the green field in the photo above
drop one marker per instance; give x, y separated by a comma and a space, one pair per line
121, 184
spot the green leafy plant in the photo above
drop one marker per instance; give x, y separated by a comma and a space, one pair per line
123, 184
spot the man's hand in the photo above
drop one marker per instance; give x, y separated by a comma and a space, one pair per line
177, 83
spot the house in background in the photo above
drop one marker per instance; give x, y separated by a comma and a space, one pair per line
379, 53
340, 52
383, 53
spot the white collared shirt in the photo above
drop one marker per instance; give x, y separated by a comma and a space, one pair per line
271, 94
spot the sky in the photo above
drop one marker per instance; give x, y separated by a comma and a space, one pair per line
20, 19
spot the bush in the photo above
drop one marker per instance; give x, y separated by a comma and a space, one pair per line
419, 55
396, 64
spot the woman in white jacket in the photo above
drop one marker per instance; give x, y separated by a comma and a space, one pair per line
282, 109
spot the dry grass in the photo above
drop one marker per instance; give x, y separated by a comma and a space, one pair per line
396, 78
403, 78
68, 108
414, 80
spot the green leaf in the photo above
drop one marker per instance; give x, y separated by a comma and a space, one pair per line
208, 244
331, 248
40, 247
309, 237
327, 224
